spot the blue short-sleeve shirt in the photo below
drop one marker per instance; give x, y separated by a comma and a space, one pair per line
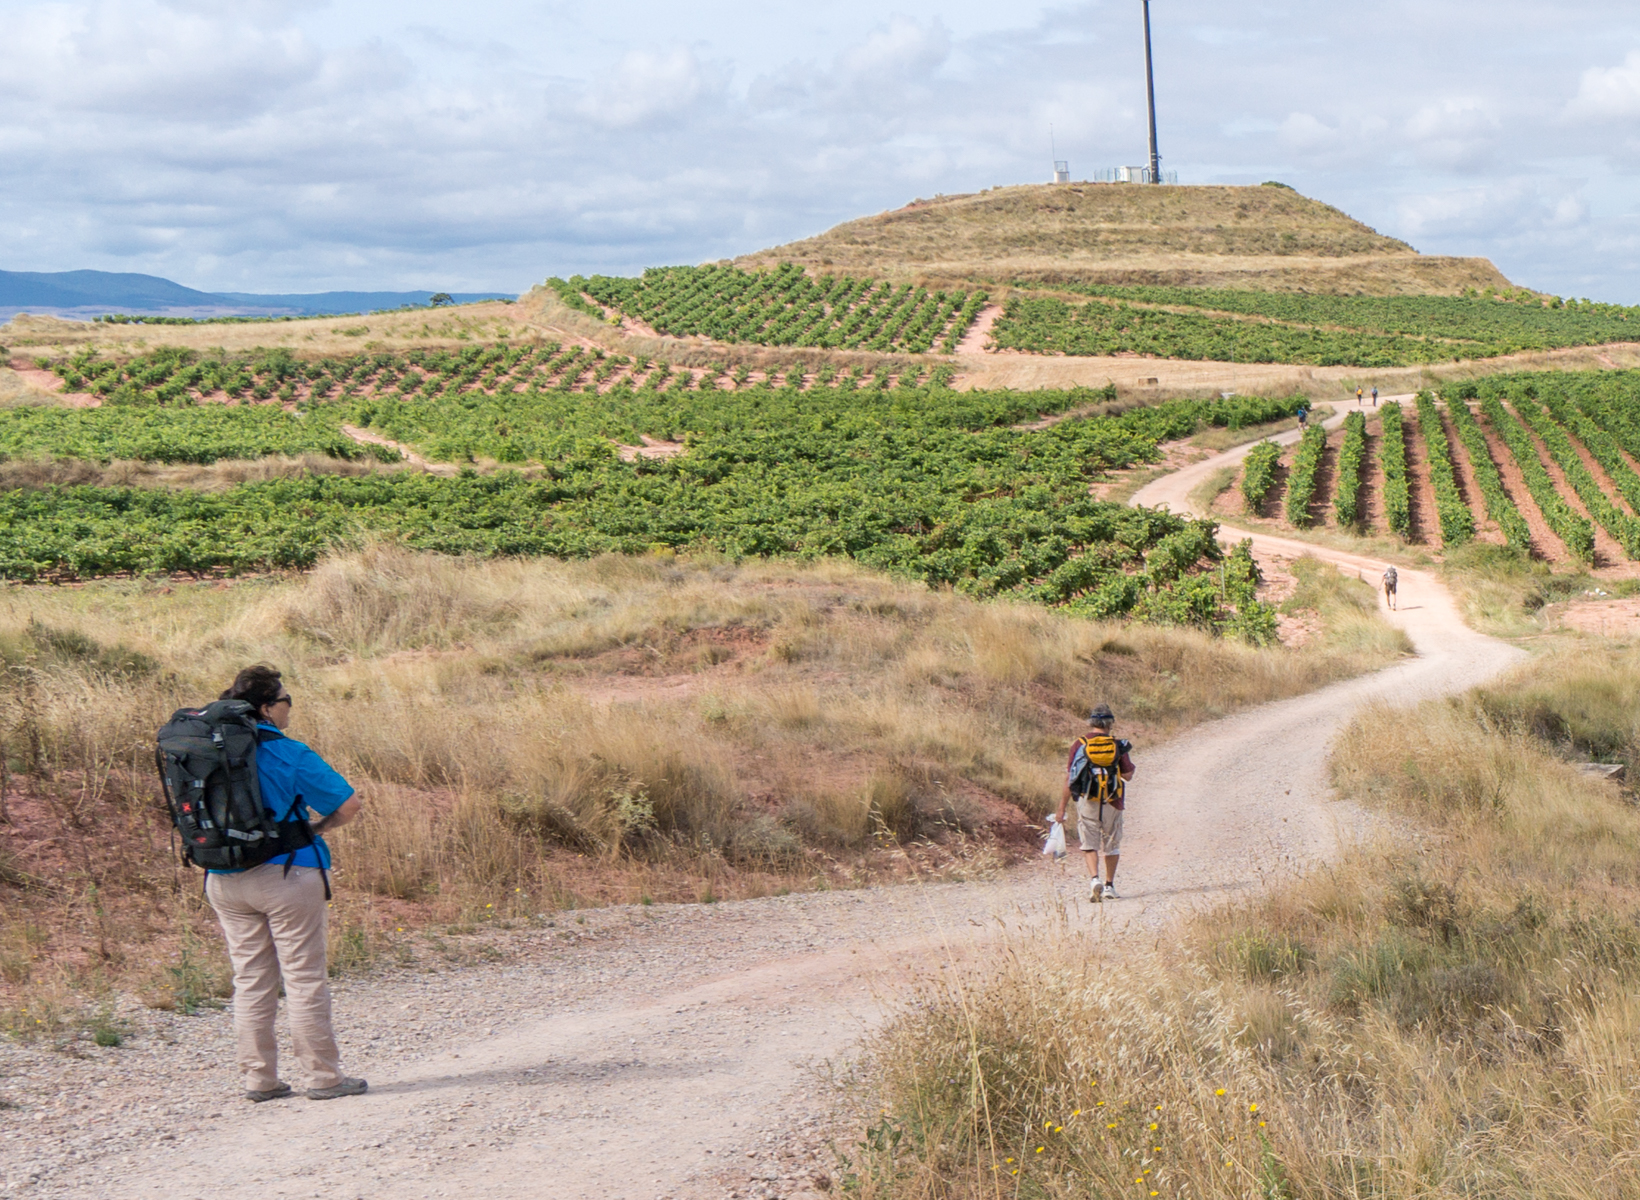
292, 774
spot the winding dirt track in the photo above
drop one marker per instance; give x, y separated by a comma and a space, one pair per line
664, 1057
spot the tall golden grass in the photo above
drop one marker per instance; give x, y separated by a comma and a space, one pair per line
1450, 1014
528, 735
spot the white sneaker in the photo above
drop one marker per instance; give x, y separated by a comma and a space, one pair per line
1096, 893
1110, 891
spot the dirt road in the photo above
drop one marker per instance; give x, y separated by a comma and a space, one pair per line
660, 1052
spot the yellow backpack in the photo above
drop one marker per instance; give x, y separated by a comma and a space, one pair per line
1096, 769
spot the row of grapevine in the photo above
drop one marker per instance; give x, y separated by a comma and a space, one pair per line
928, 482
785, 307
1258, 474
1046, 325
1301, 479
1602, 445
1407, 328
179, 377
1352, 457
1393, 455
1499, 507
1619, 524
1568, 526
1457, 522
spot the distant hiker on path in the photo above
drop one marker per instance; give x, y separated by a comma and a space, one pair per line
1096, 776
273, 916
1375, 397
1358, 394
1303, 418
1390, 580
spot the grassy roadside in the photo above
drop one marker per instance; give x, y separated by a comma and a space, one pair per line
1452, 1015
531, 736
1503, 592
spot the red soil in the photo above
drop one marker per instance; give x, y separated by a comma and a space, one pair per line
1545, 544
1607, 553
1425, 522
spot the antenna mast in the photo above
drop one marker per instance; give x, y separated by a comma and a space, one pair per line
1150, 93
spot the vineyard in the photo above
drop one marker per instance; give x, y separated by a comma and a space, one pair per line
783, 307
917, 479
1546, 463
1319, 330
173, 376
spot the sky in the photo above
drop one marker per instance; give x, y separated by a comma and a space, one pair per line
296, 145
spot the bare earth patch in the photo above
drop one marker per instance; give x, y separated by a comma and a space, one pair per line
1615, 618
651, 448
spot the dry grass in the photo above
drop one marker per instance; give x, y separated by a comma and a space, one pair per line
530, 735
1450, 1015
1505, 593
1268, 238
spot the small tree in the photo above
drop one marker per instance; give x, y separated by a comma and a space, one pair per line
440, 299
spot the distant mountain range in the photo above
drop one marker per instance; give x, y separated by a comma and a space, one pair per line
90, 293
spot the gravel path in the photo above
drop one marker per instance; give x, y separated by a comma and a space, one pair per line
679, 1051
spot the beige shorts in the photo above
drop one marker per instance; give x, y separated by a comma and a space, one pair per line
1099, 830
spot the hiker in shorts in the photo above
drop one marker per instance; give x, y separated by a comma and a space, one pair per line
273, 916
1303, 418
1097, 775
1390, 580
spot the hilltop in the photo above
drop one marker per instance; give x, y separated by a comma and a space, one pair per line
1266, 238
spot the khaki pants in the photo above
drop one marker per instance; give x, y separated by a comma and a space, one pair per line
1099, 827
275, 928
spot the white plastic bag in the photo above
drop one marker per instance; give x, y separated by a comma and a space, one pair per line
1054, 843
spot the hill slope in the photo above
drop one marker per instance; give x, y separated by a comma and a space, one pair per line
1268, 238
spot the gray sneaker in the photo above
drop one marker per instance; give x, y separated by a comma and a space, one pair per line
277, 1092
1095, 893
347, 1087
1110, 892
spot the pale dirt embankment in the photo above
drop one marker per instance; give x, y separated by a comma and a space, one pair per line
661, 1052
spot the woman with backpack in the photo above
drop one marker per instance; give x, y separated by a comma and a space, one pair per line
273, 916
1097, 776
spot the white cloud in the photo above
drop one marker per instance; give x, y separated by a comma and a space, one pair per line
265, 145
650, 86
1506, 209
1609, 91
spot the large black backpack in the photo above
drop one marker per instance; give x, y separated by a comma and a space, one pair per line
207, 761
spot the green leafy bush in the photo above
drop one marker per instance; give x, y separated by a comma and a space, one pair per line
1457, 522
1393, 455
1258, 474
1352, 455
1301, 479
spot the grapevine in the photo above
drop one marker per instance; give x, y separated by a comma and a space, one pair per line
1351, 455
1569, 527
1499, 507
1249, 326
1620, 525
1258, 474
1301, 479
785, 307
1457, 522
1393, 454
